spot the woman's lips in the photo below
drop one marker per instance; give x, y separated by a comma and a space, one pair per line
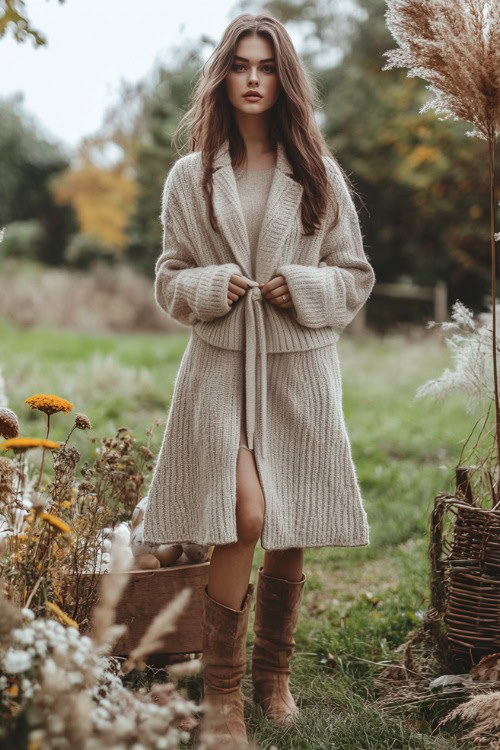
255, 98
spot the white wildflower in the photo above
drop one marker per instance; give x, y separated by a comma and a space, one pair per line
50, 668
73, 635
74, 678
123, 724
27, 688
24, 636
61, 649
69, 668
41, 648
15, 661
28, 613
79, 658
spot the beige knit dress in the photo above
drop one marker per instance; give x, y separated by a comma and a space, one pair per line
253, 190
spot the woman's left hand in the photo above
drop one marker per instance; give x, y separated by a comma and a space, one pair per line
275, 289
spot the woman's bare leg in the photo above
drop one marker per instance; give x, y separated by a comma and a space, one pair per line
231, 564
284, 563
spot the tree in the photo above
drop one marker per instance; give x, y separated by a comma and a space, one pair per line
13, 15
27, 164
102, 199
166, 98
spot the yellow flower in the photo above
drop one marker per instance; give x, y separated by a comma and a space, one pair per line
13, 690
56, 522
49, 403
66, 504
24, 444
61, 615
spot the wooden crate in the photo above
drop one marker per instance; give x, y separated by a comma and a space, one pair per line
146, 594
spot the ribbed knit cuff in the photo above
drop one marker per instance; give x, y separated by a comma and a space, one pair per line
307, 285
211, 299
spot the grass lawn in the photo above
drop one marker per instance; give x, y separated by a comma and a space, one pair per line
359, 603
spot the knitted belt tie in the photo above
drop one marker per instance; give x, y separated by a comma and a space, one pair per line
255, 335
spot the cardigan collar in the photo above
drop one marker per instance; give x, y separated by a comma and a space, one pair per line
279, 220
283, 203
223, 157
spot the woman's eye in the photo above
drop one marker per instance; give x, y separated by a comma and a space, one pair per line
238, 66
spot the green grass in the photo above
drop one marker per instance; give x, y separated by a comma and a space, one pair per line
359, 603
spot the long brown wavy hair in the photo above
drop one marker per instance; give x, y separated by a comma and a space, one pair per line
210, 120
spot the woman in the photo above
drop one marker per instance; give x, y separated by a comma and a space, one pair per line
263, 257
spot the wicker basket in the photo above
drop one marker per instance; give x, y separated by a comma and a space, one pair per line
146, 593
465, 575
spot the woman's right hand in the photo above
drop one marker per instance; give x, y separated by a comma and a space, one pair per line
237, 287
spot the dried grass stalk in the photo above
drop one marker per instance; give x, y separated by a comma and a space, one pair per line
455, 46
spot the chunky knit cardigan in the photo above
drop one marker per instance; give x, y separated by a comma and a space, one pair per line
328, 274
303, 454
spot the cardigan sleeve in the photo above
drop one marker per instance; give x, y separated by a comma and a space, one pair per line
186, 291
332, 294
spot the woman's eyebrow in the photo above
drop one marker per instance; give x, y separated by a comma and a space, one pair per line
268, 59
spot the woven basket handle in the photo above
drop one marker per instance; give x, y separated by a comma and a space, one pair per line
464, 488
435, 551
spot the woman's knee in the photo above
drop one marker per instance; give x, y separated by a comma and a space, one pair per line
249, 527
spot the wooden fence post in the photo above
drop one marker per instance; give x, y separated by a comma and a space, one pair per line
440, 302
438, 294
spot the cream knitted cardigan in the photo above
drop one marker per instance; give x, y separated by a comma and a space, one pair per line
328, 274
304, 460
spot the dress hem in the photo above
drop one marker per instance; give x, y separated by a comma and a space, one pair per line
233, 541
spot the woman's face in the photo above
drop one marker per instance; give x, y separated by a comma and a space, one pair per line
253, 68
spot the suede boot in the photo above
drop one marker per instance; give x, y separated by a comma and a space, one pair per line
224, 632
276, 612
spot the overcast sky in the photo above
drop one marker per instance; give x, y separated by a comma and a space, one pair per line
92, 44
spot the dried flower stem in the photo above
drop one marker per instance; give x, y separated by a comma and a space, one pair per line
491, 151
163, 624
35, 588
69, 435
43, 455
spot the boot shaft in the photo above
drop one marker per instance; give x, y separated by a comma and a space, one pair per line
277, 607
224, 643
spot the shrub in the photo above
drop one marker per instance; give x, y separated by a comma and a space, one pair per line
23, 239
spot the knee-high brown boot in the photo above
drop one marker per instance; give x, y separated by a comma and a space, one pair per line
224, 633
277, 607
